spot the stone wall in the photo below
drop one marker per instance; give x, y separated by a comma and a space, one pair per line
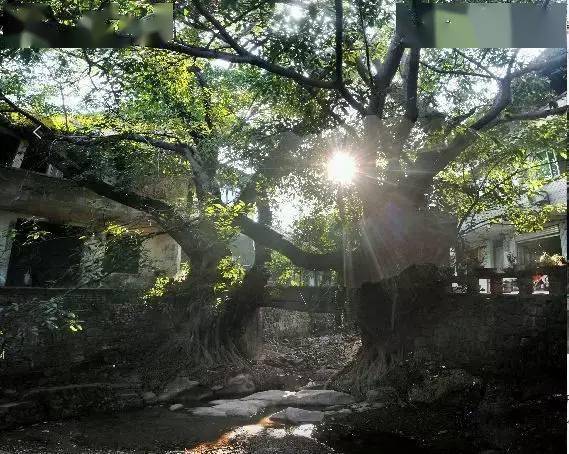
278, 324
485, 334
499, 335
116, 327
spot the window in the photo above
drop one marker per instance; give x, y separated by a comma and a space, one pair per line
550, 167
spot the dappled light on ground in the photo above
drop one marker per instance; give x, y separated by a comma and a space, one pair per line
264, 427
226, 438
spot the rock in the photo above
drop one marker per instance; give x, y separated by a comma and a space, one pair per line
297, 416
453, 386
233, 407
129, 401
385, 394
176, 387
175, 407
149, 397
314, 385
220, 401
274, 396
345, 411
195, 394
320, 398
240, 384
12, 393
277, 359
359, 407
207, 411
334, 407
216, 388
324, 374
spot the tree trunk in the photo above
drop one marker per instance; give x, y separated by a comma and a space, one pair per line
397, 274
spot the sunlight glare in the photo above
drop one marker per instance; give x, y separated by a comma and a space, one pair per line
341, 168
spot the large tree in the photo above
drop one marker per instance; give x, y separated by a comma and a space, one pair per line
275, 87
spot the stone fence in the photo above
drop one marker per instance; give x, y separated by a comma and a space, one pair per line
115, 325
497, 332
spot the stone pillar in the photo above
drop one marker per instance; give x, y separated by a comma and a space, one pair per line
6, 225
563, 238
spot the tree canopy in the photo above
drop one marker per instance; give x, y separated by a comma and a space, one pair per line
254, 96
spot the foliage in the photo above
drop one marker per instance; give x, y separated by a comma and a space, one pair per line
227, 125
223, 217
283, 272
552, 260
165, 283
24, 322
230, 275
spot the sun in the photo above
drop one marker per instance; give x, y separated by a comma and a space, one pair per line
341, 168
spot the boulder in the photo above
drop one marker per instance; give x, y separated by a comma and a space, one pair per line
176, 387
195, 394
273, 396
149, 397
175, 407
240, 384
314, 385
232, 407
319, 398
297, 416
220, 401
129, 401
385, 394
360, 407
207, 411
453, 386
334, 407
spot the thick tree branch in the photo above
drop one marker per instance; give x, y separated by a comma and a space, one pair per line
385, 73
530, 115
476, 63
265, 236
410, 84
456, 72
339, 52
181, 229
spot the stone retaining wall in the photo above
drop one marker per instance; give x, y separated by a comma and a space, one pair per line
278, 324
115, 326
485, 334
499, 335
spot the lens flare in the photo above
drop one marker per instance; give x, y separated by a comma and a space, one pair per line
341, 168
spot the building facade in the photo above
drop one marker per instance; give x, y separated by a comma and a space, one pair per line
56, 234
